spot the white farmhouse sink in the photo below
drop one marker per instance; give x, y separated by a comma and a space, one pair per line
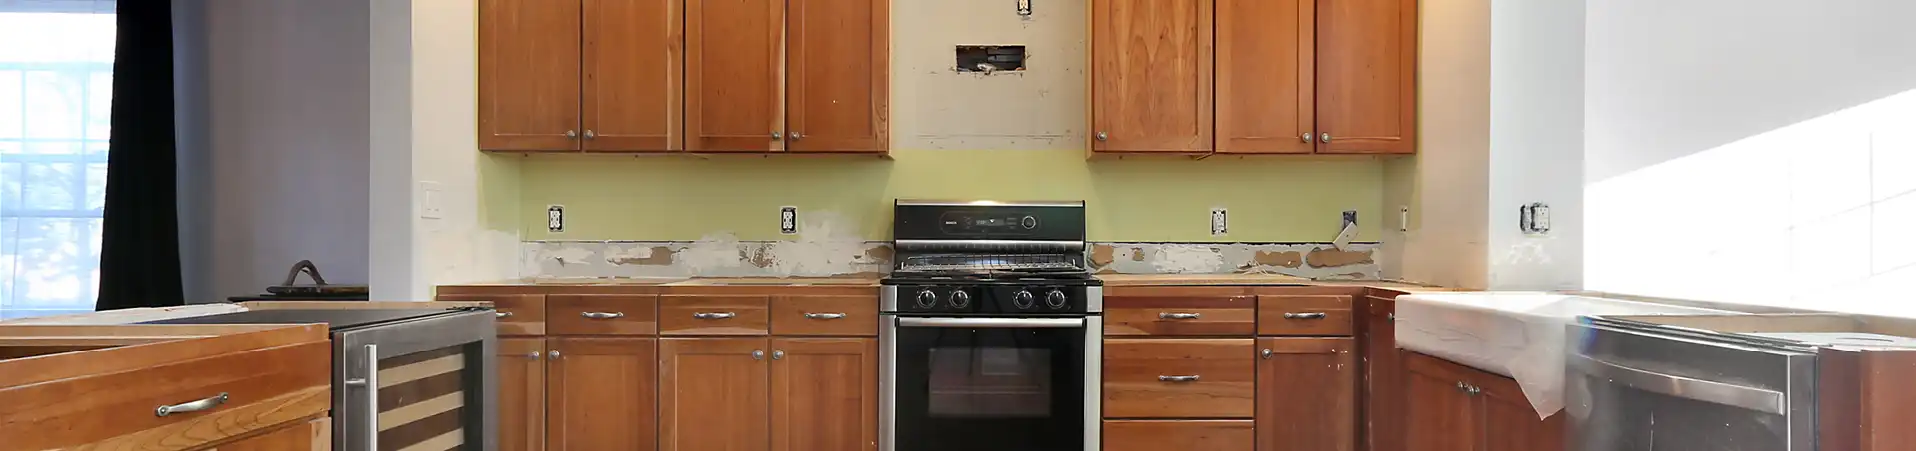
1516, 334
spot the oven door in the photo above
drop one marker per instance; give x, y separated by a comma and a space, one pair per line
998, 384
426, 383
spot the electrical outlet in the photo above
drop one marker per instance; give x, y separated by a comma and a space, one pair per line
1219, 224
788, 220
555, 218
430, 204
1024, 8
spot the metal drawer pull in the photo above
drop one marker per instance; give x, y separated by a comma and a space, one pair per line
501, 314
602, 315
1178, 316
824, 315
713, 315
194, 406
1311, 315
1190, 378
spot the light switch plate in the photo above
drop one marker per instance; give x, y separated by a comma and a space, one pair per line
430, 204
1220, 224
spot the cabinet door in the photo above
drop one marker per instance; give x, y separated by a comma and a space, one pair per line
734, 75
837, 77
522, 394
824, 394
1265, 62
528, 75
315, 435
1382, 381
1307, 394
1367, 76
632, 67
1439, 415
713, 394
1151, 76
1510, 424
602, 393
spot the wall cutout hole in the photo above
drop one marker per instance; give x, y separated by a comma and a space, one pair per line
991, 58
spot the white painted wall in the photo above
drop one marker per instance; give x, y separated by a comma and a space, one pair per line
273, 142
1449, 189
1759, 153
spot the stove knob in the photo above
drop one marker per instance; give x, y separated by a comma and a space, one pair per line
1055, 298
926, 298
960, 299
1023, 299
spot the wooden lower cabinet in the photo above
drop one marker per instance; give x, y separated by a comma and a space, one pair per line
1450, 407
315, 435
601, 393
522, 394
1195, 435
824, 394
1511, 424
785, 394
1307, 394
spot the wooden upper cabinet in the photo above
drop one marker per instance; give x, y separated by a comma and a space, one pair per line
529, 75
824, 394
602, 393
633, 62
1265, 88
713, 394
1307, 394
734, 84
1367, 76
1151, 76
838, 61
522, 394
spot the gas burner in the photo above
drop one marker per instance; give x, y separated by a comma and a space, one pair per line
990, 259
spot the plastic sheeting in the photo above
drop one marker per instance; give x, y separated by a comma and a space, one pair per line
1516, 334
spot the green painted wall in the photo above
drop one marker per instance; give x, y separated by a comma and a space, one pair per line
1271, 199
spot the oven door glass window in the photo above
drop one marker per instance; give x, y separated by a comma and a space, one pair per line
997, 389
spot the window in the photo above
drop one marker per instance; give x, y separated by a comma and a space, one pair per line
56, 88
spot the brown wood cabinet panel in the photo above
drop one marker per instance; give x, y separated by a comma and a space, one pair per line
1266, 91
1303, 315
825, 315
734, 75
1438, 414
1180, 315
1509, 423
714, 315
824, 394
1179, 378
1151, 76
633, 60
315, 435
1367, 76
603, 393
528, 75
1307, 394
519, 314
838, 83
713, 394
1383, 381
1196, 435
522, 394
603, 314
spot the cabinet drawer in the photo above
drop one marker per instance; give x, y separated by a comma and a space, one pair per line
603, 314
1180, 315
519, 314
714, 315
1196, 435
1304, 315
825, 315
1179, 378
215, 388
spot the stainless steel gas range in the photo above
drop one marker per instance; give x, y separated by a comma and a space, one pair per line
990, 329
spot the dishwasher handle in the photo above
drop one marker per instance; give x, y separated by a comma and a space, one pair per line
1749, 398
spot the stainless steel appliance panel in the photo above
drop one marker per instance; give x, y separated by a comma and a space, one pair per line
1639, 387
997, 383
429, 381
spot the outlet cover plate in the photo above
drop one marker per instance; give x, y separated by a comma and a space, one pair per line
788, 220
1220, 222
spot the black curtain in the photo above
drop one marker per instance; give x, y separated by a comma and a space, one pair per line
140, 241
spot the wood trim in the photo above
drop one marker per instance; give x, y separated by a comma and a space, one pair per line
30, 370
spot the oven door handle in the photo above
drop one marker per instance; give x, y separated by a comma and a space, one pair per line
999, 323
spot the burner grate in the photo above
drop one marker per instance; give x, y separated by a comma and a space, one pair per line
975, 262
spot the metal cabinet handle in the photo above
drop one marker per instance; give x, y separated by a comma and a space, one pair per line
1306, 136
501, 314
1307, 315
758, 354
1267, 353
777, 354
569, 134
590, 135
1474, 390
713, 315
1325, 137
797, 136
1168, 315
195, 406
372, 395
553, 354
602, 315
777, 135
1190, 378
532, 355
1102, 136
824, 315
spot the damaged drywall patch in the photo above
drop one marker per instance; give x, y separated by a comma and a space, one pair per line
1187, 259
1242, 258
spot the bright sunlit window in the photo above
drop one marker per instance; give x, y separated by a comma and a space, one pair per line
56, 91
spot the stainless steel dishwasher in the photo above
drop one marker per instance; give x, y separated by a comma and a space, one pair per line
1636, 386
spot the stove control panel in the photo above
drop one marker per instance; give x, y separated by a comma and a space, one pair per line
963, 299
